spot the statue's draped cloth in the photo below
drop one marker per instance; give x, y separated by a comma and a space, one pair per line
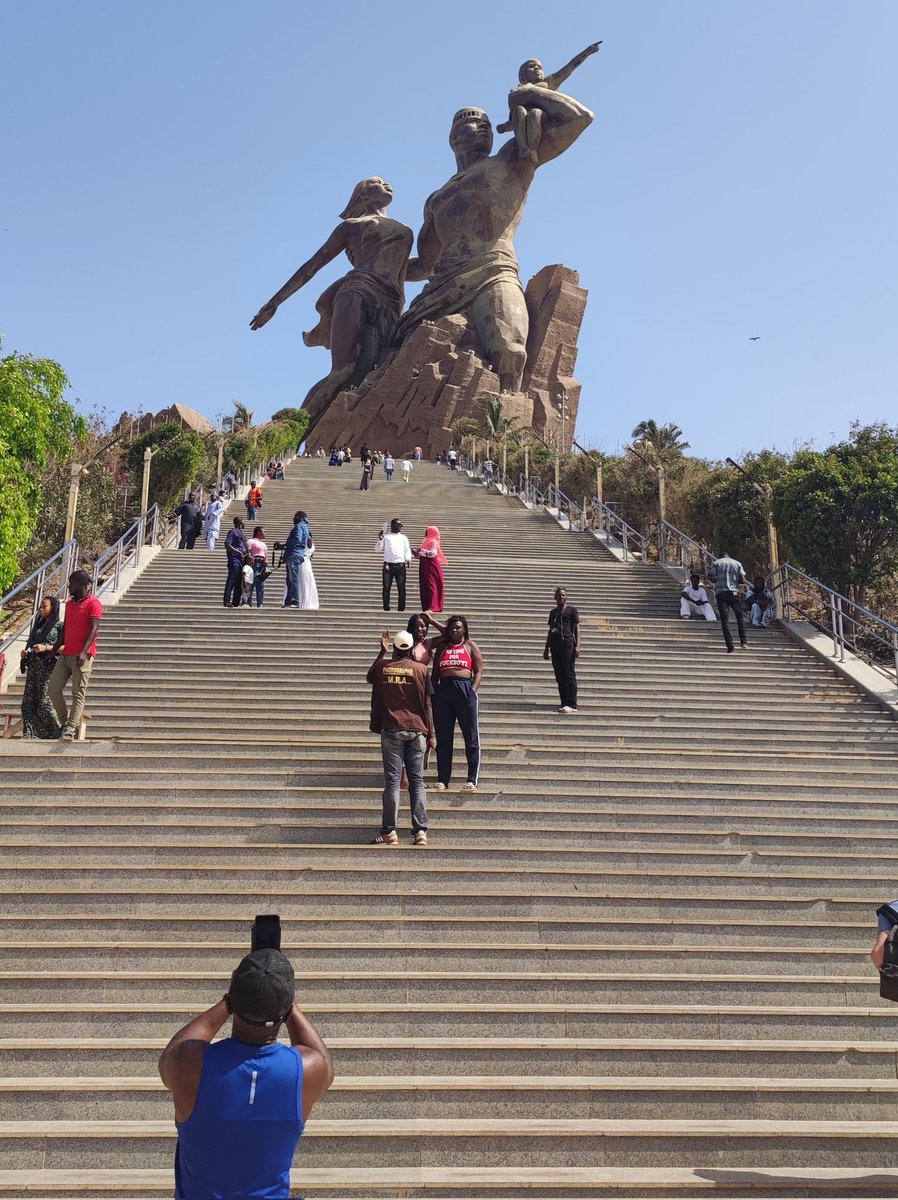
385, 296
456, 283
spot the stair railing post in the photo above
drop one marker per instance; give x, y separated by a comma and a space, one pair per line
839, 617
895, 653
833, 623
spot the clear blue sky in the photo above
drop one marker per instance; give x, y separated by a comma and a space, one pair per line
168, 165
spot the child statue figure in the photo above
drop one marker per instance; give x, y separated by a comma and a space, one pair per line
527, 123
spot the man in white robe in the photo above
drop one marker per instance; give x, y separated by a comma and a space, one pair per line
694, 601
214, 509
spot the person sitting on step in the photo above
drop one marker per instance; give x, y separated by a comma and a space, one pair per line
761, 604
694, 601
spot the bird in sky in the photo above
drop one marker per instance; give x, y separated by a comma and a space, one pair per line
755, 339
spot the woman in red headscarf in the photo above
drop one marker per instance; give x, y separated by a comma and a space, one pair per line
431, 561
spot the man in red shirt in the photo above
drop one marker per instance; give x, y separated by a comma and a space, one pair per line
77, 648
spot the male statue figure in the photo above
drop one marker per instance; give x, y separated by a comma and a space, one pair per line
465, 247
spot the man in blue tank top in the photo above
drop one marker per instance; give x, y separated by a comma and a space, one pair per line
241, 1103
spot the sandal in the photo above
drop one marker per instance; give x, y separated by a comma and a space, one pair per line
470, 787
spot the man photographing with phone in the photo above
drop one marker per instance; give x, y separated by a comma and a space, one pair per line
241, 1103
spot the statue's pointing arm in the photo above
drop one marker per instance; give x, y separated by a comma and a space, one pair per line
421, 267
331, 248
558, 77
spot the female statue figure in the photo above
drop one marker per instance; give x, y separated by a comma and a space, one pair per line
359, 312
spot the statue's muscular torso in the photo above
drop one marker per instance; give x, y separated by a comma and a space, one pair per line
480, 208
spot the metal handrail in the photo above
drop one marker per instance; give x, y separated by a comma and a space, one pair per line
613, 525
566, 507
678, 549
59, 567
869, 637
151, 528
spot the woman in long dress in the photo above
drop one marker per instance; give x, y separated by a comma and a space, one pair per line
367, 475
431, 561
308, 588
39, 718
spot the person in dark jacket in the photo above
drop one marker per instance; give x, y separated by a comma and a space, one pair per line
191, 522
236, 549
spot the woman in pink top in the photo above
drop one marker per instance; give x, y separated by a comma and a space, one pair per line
258, 548
431, 561
422, 651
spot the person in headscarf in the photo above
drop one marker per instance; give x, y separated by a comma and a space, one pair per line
39, 718
431, 561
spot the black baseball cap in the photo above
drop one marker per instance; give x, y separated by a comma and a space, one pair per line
262, 988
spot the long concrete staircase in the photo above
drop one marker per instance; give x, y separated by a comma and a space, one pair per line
633, 964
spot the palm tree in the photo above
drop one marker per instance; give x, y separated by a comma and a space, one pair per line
466, 429
496, 424
242, 418
658, 440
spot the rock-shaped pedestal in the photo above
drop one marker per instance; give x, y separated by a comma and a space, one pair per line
438, 376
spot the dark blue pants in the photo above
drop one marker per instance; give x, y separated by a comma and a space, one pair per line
725, 602
234, 586
456, 700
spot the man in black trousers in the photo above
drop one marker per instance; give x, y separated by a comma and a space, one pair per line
563, 643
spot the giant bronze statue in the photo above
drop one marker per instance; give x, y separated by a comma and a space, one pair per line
388, 375
359, 312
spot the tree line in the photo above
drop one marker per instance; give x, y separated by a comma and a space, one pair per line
41, 434
836, 509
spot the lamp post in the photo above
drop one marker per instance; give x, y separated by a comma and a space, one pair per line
219, 462
662, 481
76, 471
145, 485
772, 536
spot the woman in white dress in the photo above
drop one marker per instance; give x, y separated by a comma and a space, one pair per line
308, 588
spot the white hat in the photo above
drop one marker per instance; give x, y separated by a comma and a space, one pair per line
403, 641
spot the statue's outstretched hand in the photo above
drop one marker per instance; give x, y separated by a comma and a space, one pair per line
263, 316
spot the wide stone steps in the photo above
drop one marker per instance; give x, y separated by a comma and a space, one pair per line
193, 818
217, 959
633, 964
483, 1142
459, 1097
868, 1022
526, 1058
483, 1183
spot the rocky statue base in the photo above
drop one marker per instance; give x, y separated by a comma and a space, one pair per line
438, 377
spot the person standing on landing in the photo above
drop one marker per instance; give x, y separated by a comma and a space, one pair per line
727, 575
401, 713
77, 648
241, 1103
457, 672
397, 552
563, 643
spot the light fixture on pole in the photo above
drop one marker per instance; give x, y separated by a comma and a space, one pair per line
661, 476
766, 491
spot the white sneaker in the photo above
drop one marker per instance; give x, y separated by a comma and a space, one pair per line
566, 708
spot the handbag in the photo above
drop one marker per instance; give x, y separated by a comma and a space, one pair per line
888, 972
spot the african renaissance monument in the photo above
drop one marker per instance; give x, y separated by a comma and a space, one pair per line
403, 377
